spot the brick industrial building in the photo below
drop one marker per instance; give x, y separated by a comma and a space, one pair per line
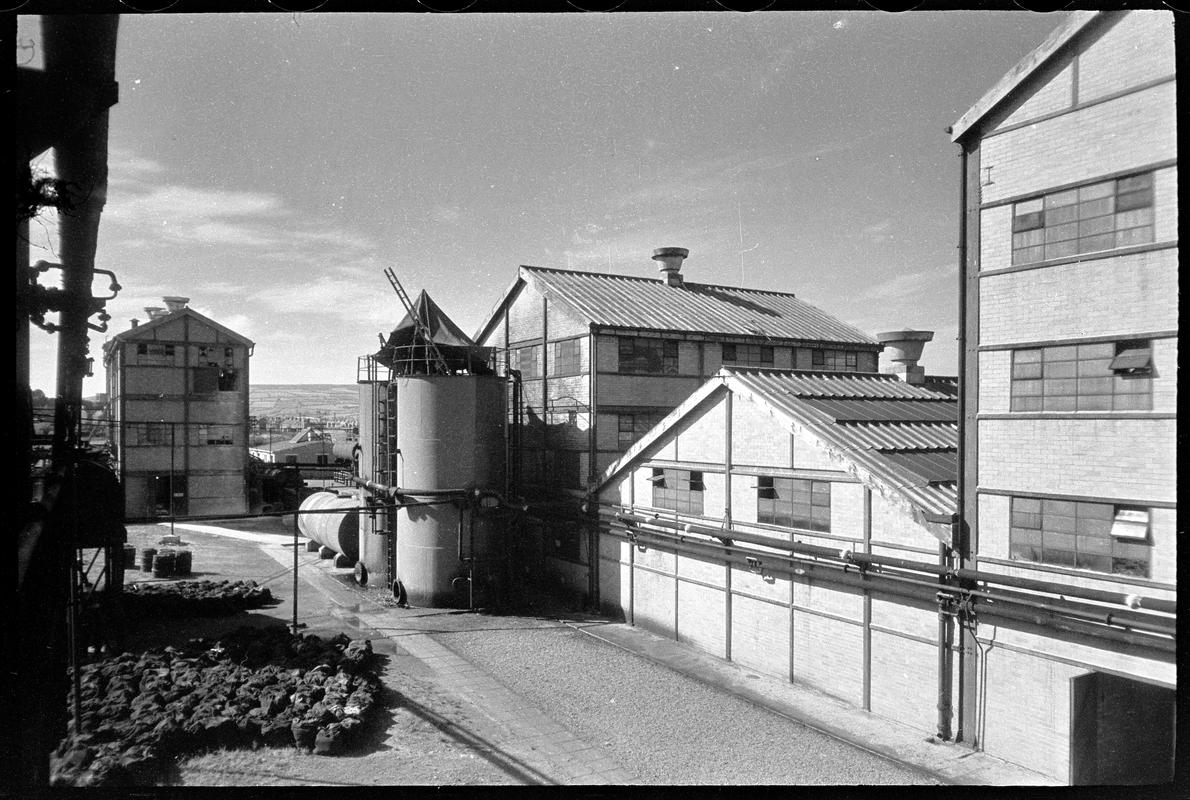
771, 463
1070, 385
603, 357
178, 394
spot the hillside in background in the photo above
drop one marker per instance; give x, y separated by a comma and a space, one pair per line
328, 402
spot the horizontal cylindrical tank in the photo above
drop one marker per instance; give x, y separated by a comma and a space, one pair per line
345, 450
339, 532
451, 435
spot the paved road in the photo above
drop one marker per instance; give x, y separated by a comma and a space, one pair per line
534, 700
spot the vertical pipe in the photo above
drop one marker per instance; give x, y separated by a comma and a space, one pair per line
945, 631
867, 656
727, 517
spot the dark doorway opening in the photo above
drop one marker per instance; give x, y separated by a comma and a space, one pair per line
1121, 731
169, 496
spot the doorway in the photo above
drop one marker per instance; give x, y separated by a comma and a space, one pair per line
1121, 731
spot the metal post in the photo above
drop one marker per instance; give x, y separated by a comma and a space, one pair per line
295, 571
173, 428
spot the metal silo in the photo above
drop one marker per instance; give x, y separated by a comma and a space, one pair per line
451, 434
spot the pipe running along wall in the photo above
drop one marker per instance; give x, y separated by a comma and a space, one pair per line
1124, 626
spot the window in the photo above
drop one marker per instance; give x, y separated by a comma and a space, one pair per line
146, 434
631, 427
1104, 376
677, 490
228, 379
205, 380
794, 503
1098, 216
214, 434
161, 354
658, 356
1103, 537
752, 355
527, 359
840, 360
568, 357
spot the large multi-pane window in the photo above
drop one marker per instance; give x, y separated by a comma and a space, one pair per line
527, 360
155, 354
146, 434
568, 357
1103, 537
840, 360
630, 427
794, 503
677, 490
657, 356
1098, 216
212, 434
750, 355
1103, 376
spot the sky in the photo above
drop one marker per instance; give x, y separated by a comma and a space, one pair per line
270, 166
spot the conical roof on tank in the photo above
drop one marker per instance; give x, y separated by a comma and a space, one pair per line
459, 350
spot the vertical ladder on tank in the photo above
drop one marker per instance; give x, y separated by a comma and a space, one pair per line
433, 354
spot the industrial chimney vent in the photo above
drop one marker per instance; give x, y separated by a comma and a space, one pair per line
175, 303
670, 263
904, 348
155, 312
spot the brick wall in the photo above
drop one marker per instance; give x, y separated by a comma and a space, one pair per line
525, 315
757, 438
702, 437
1137, 49
995, 237
564, 321
902, 688
809, 454
654, 602
1126, 133
701, 617
828, 655
1053, 93
995, 381
1100, 297
643, 390
760, 635
1090, 458
1027, 718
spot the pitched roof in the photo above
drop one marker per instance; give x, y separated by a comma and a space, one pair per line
1024, 69
638, 303
892, 436
140, 330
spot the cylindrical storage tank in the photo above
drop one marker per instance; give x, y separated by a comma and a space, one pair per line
451, 434
339, 532
345, 451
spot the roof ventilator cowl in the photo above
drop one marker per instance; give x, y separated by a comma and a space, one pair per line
904, 348
670, 261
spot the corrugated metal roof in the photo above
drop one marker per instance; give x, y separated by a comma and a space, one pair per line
885, 410
931, 466
827, 384
902, 436
623, 301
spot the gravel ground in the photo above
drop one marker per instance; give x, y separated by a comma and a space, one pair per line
660, 725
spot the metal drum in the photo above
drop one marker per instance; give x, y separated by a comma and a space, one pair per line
146, 558
164, 564
339, 532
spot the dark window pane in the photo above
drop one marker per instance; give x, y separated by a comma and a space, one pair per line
1132, 567
1133, 200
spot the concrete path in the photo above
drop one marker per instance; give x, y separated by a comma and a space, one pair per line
532, 748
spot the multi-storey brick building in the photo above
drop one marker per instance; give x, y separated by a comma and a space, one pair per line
603, 357
178, 398
759, 520
1069, 302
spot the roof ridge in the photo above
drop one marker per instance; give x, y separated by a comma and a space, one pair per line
685, 285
